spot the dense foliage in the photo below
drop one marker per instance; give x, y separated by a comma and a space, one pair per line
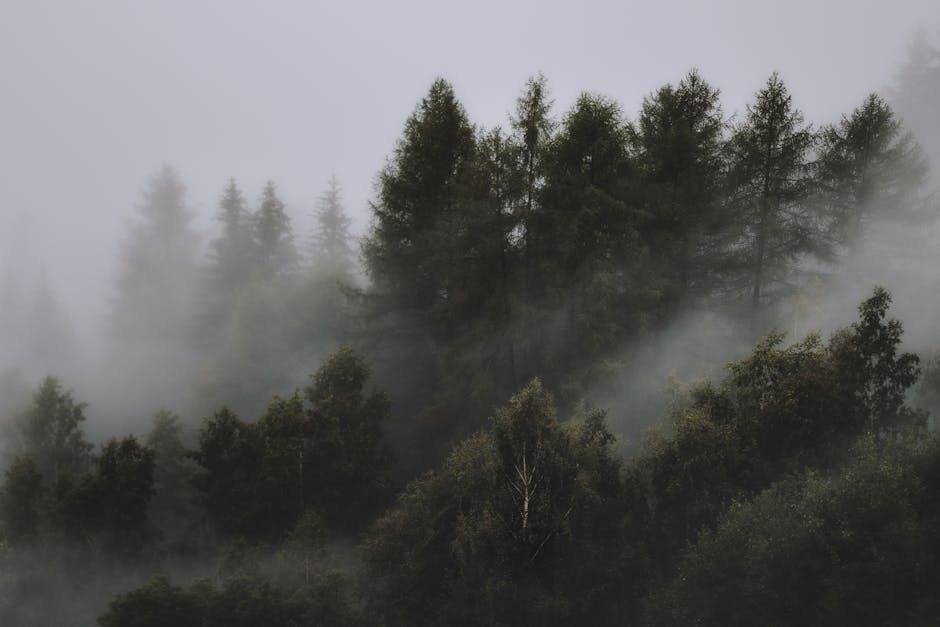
506, 273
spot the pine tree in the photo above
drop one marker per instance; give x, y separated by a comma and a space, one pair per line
680, 142
233, 250
417, 213
332, 252
159, 266
587, 262
532, 132
915, 94
869, 168
275, 241
771, 187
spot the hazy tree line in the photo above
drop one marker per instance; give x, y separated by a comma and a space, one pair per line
504, 271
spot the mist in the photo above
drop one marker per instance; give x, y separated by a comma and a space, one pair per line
263, 335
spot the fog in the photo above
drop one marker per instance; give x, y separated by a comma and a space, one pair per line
108, 106
98, 95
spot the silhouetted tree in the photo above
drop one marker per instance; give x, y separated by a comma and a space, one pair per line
869, 168
680, 142
20, 501
273, 235
771, 185
50, 432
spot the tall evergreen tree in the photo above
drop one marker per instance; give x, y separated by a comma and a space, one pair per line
233, 250
771, 186
332, 251
417, 211
869, 168
152, 316
915, 94
275, 241
532, 131
158, 265
587, 259
50, 432
680, 142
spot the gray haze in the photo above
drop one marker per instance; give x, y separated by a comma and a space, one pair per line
98, 94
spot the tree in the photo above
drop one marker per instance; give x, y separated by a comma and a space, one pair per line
680, 144
532, 132
869, 168
346, 459
275, 242
325, 298
155, 604
418, 203
853, 547
781, 410
233, 251
173, 470
915, 93
50, 432
20, 501
332, 253
879, 377
121, 490
771, 185
510, 530
588, 264
229, 453
282, 492
156, 278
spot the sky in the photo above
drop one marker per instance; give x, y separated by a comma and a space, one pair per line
97, 94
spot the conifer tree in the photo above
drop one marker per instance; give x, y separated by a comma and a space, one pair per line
332, 251
274, 238
680, 142
159, 262
233, 250
869, 168
771, 187
417, 213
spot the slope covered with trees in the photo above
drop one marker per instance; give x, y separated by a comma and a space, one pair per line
443, 463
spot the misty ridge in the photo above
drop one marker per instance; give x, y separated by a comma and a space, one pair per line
681, 367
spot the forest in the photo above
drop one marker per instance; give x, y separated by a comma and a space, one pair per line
463, 418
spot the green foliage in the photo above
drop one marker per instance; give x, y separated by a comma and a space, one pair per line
681, 152
156, 604
328, 455
841, 550
238, 602
50, 432
869, 168
779, 411
417, 203
346, 457
229, 453
20, 501
172, 507
121, 491
771, 184
490, 537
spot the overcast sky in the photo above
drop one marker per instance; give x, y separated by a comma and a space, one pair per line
97, 94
